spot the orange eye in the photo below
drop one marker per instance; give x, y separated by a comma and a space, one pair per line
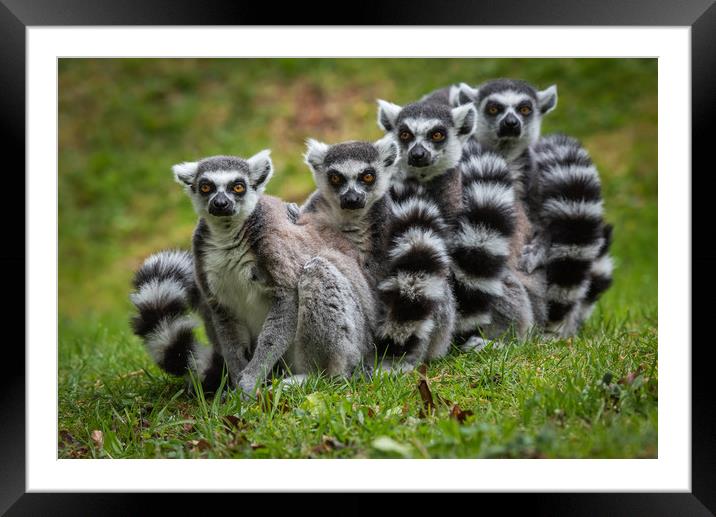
437, 136
335, 179
525, 110
205, 187
239, 188
492, 110
368, 177
405, 136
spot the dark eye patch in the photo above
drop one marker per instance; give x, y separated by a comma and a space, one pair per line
335, 178
205, 187
234, 185
438, 129
405, 129
362, 176
525, 104
493, 108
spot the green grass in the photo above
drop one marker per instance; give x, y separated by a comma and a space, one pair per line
123, 123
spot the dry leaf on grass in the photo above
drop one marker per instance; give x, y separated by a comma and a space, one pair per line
630, 377
424, 390
233, 422
97, 438
67, 438
459, 414
328, 443
199, 445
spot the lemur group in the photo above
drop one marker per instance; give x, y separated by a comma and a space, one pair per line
462, 226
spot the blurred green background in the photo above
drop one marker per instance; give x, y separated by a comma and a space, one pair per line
124, 122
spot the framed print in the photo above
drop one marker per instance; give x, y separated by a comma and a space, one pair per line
435, 292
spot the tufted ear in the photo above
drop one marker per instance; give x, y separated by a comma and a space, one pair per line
260, 169
315, 154
464, 118
387, 150
547, 99
185, 172
466, 94
454, 96
387, 114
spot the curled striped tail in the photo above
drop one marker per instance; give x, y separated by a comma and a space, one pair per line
165, 294
572, 213
600, 275
480, 246
417, 281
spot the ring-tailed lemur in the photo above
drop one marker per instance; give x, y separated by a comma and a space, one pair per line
560, 192
165, 295
399, 243
274, 290
475, 196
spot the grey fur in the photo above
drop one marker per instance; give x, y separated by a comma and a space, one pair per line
369, 228
543, 170
257, 270
443, 183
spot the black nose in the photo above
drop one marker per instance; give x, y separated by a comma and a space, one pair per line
352, 200
511, 121
510, 126
220, 205
418, 156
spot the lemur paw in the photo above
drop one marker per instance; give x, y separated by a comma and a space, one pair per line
529, 259
294, 380
398, 367
246, 387
474, 344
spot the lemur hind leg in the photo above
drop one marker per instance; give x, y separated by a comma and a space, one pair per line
513, 310
331, 333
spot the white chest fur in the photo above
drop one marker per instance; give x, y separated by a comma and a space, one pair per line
235, 282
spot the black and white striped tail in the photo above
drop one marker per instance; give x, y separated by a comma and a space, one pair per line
572, 213
418, 271
600, 275
480, 246
165, 294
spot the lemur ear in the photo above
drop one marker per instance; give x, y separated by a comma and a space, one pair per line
260, 169
464, 118
387, 114
185, 172
465, 94
387, 150
547, 99
315, 154
453, 95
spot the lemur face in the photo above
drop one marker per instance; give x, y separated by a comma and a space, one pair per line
430, 135
225, 186
509, 113
352, 175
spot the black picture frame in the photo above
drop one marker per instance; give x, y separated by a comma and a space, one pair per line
17, 15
